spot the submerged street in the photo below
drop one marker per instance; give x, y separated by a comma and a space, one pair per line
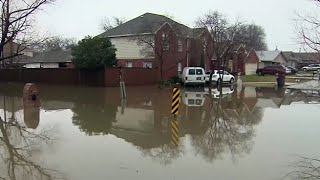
89, 133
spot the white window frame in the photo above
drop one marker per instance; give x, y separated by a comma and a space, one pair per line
129, 64
205, 44
179, 67
147, 63
180, 48
165, 42
166, 46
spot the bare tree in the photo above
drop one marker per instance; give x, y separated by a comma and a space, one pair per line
305, 168
308, 30
17, 144
224, 133
54, 43
106, 23
17, 19
223, 34
164, 154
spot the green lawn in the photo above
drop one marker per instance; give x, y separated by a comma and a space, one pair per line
256, 78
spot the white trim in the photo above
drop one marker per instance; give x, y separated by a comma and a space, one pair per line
128, 35
241, 45
163, 26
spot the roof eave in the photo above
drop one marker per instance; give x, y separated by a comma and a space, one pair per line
130, 35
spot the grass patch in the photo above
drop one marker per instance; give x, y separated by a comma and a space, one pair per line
256, 78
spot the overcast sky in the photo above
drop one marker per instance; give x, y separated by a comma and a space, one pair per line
75, 18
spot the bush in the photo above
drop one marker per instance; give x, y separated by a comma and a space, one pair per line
176, 80
94, 53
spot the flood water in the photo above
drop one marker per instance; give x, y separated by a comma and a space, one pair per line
253, 133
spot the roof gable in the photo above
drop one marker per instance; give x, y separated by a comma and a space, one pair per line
147, 23
268, 55
252, 57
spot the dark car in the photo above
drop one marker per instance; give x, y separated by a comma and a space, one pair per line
271, 70
293, 70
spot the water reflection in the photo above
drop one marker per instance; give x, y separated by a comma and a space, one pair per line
217, 125
19, 141
224, 126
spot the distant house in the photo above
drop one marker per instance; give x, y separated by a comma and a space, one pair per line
14, 53
299, 60
267, 58
293, 60
50, 59
251, 63
155, 41
305, 59
235, 59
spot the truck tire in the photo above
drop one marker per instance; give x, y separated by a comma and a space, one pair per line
231, 80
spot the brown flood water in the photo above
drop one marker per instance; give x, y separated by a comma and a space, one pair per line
254, 133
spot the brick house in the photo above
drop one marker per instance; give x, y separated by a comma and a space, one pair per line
235, 60
155, 41
267, 58
251, 63
300, 59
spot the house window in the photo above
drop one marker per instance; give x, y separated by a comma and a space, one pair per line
179, 45
205, 44
165, 41
147, 65
129, 64
166, 46
179, 67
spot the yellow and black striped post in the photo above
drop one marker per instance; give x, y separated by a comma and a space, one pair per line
175, 112
175, 133
175, 101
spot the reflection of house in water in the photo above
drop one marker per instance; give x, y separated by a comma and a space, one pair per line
142, 119
270, 97
137, 119
250, 98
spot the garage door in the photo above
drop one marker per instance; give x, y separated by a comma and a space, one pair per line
251, 69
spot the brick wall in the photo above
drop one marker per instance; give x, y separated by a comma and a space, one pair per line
136, 63
131, 76
107, 78
252, 58
53, 76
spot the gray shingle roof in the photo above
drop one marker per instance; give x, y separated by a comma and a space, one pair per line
51, 56
290, 56
198, 31
307, 56
146, 23
267, 55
